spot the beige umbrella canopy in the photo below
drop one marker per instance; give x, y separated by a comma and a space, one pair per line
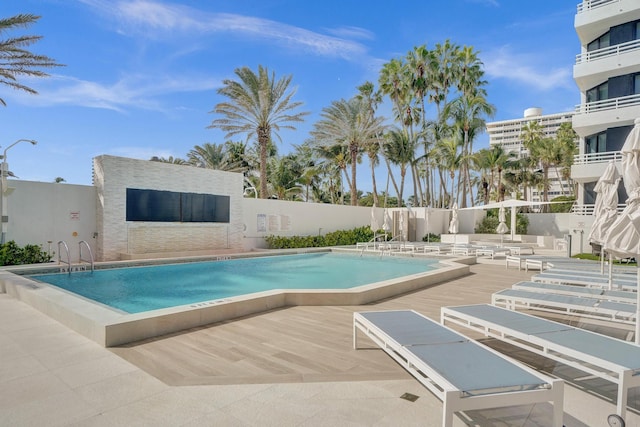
502, 227
454, 225
606, 206
623, 239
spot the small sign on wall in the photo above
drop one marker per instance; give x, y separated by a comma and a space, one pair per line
285, 223
74, 216
262, 222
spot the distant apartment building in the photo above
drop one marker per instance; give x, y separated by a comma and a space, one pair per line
507, 133
607, 72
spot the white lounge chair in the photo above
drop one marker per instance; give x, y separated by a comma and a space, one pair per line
592, 308
462, 373
579, 291
605, 357
584, 280
492, 251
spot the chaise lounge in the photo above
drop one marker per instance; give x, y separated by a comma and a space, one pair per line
605, 357
462, 373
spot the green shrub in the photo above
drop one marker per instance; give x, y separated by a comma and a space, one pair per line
562, 207
431, 238
335, 238
12, 254
489, 224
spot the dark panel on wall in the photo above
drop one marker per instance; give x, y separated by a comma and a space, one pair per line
622, 33
620, 86
147, 205
169, 206
616, 137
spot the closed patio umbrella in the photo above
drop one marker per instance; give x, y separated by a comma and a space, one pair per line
454, 225
374, 222
502, 227
624, 234
605, 210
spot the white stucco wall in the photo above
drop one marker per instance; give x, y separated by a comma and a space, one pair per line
40, 212
116, 236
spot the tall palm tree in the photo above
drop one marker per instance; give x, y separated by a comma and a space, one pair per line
400, 150
450, 158
259, 105
348, 124
468, 112
15, 60
372, 98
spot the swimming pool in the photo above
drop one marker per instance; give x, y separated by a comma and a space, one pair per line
139, 289
109, 326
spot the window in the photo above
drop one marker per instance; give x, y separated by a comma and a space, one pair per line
596, 143
599, 43
636, 84
598, 93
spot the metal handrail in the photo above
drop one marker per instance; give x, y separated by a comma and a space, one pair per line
90, 260
66, 248
604, 157
609, 51
588, 5
587, 209
608, 104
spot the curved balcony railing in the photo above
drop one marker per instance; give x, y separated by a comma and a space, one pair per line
607, 52
588, 5
608, 104
607, 156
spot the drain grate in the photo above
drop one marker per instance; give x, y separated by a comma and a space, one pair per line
410, 397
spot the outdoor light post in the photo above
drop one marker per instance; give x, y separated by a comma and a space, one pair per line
4, 172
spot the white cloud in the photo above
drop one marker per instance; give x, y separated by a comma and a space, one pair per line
153, 19
137, 91
525, 69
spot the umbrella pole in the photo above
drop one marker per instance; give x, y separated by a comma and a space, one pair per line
602, 259
610, 271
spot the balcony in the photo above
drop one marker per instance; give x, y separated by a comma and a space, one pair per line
588, 209
589, 167
596, 116
595, 17
592, 68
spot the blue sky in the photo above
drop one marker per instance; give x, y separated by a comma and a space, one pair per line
141, 75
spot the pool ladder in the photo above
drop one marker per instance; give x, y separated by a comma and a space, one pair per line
82, 262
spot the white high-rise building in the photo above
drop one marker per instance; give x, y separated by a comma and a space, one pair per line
607, 72
507, 133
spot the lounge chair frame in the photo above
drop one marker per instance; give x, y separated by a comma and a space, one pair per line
583, 306
455, 400
561, 350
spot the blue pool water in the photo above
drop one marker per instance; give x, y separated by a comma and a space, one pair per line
138, 289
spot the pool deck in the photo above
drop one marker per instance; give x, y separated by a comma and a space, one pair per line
287, 367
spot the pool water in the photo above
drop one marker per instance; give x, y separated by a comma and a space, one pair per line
138, 289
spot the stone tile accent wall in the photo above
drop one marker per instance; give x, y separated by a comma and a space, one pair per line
113, 175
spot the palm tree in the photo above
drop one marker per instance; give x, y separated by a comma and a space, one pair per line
400, 150
372, 98
213, 156
15, 60
450, 158
348, 124
170, 159
467, 112
258, 106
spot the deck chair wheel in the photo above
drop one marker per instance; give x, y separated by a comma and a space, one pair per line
615, 420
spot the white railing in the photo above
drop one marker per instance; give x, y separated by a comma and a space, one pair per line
588, 209
607, 52
608, 104
605, 157
588, 5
